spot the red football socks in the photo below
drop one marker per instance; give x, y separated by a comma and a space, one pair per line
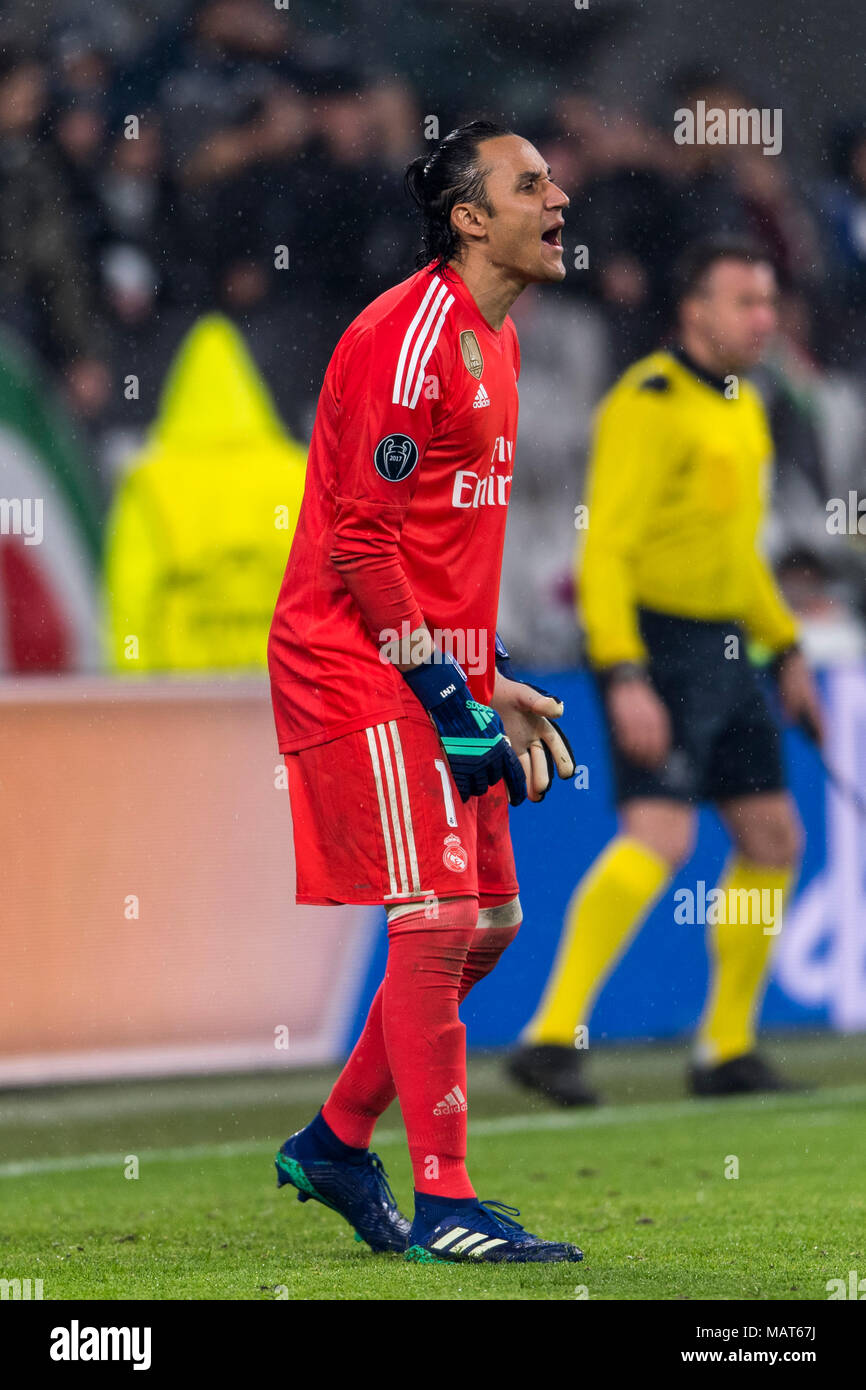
414, 1045
426, 1043
365, 1087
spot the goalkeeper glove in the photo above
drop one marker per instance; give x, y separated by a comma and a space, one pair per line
472, 735
558, 752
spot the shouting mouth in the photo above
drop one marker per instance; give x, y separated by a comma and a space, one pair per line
552, 238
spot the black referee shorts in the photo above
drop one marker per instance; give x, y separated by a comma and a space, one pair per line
726, 742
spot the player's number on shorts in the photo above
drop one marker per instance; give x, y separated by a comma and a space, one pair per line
450, 813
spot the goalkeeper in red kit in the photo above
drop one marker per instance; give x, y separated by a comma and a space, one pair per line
404, 732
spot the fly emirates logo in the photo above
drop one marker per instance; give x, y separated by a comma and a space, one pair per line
485, 490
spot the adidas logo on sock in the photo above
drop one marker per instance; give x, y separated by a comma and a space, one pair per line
481, 399
454, 1102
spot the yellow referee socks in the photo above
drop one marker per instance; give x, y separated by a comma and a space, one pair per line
608, 905
739, 943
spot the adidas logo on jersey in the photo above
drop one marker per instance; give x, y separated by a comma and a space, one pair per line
481, 399
454, 1102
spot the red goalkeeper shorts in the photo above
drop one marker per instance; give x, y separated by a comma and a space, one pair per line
376, 818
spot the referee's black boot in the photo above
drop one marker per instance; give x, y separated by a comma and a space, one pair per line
738, 1076
553, 1071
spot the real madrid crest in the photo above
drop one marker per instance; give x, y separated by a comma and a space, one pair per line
471, 353
454, 854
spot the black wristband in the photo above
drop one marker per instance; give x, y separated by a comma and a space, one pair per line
621, 672
781, 657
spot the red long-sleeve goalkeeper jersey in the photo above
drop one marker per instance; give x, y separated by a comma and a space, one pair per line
403, 517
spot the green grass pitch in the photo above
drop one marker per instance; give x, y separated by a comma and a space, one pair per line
639, 1184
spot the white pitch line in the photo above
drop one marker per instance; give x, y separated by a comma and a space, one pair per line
649, 1112
35, 1110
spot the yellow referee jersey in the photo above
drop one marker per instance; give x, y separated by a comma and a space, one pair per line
677, 493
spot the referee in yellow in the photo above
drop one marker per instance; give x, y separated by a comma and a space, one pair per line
673, 587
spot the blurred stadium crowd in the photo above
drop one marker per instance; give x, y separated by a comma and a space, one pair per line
254, 133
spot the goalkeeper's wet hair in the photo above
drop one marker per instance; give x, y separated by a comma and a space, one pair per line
451, 173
